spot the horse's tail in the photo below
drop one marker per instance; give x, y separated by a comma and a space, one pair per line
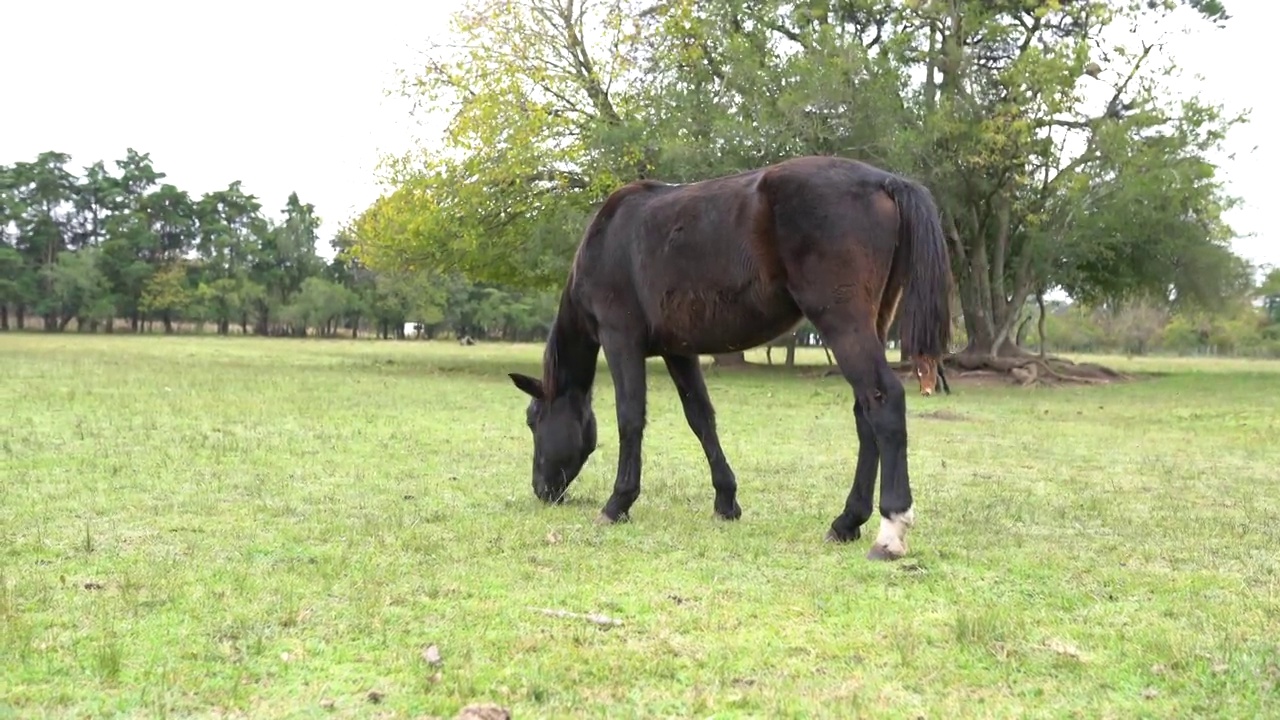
926, 306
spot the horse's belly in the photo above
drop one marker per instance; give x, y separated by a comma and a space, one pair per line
709, 323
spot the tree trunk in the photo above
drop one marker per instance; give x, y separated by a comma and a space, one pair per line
4, 316
263, 326
990, 328
1020, 337
167, 319
20, 314
1040, 323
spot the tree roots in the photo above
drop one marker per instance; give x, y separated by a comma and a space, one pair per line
1025, 370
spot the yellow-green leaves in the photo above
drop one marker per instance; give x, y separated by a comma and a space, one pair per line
528, 86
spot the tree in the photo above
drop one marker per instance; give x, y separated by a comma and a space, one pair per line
1043, 185
547, 122
146, 227
1269, 291
319, 304
230, 222
284, 258
39, 196
1043, 181
75, 289
166, 294
530, 93
17, 279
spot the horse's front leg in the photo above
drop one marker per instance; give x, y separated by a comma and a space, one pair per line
626, 365
701, 416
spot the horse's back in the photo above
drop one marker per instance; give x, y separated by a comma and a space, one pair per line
707, 266
693, 262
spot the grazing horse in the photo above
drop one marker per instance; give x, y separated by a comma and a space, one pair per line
728, 264
929, 374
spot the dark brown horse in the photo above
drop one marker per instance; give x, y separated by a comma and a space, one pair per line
729, 264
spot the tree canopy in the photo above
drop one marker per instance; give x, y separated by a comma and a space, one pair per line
1048, 130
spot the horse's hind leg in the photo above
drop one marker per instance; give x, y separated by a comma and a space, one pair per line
880, 410
701, 417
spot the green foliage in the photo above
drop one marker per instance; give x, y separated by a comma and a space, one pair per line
123, 244
320, 304
75, 287
1269, 291
1144, 328
166, 292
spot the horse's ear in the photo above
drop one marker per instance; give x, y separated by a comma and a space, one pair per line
531, 386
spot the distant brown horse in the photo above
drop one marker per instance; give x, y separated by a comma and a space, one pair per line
929, 373
728, 264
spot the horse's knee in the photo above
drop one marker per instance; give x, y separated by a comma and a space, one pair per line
888, 412
892, 395
630, 421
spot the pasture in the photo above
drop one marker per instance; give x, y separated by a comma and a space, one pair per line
281, 528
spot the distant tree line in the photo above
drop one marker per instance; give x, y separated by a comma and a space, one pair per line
112, 250
115, 248
1249, 326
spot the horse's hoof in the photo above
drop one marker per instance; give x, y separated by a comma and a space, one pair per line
891, 543
886, 553
835, 536
733, 514
604, 519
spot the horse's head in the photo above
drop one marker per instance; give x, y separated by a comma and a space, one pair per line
929, 373
564, 436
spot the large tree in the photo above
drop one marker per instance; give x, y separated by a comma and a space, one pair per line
1062, 158
1047, 130
545, 122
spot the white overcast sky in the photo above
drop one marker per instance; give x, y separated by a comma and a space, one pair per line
289, 96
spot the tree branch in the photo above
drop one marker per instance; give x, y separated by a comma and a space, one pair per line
586, 68
788, 34
1032, 30
1002, 248
1114, 108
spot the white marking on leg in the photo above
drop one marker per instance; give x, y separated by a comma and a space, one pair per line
893, 531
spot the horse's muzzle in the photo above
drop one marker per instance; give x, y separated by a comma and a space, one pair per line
549, 495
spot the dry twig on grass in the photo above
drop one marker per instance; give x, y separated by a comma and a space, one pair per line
594, 618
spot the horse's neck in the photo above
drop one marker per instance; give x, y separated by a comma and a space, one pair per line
570, 360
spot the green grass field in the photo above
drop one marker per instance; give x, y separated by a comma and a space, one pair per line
221, 527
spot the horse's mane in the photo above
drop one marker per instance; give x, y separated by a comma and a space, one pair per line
557, 357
